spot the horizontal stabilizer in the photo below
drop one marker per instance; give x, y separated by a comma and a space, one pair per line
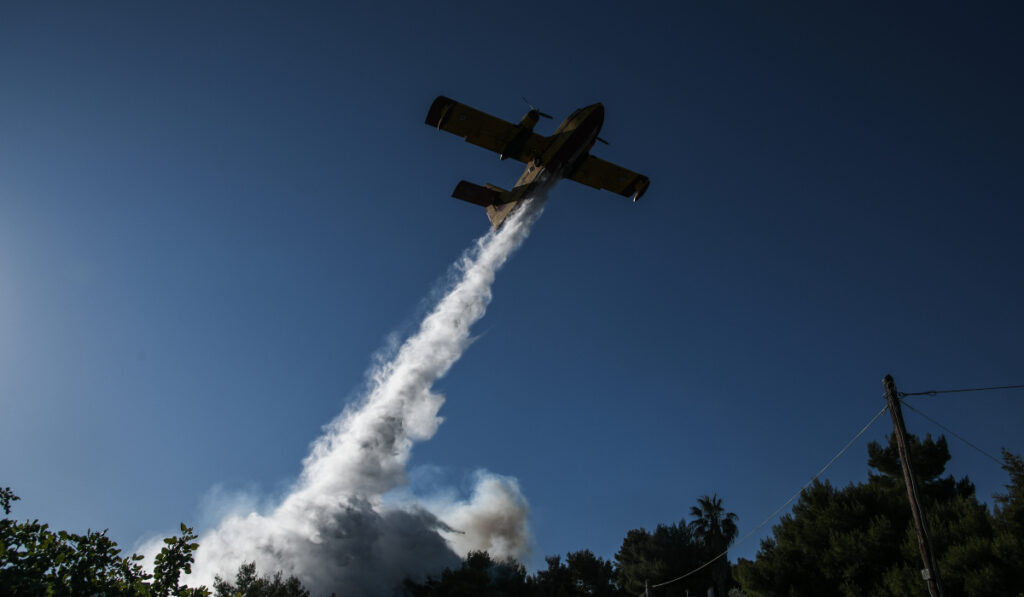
498, 202
475, 193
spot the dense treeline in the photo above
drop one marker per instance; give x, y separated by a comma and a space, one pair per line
645, 558
37, 561
858, 540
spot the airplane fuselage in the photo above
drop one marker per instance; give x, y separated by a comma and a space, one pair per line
569, 144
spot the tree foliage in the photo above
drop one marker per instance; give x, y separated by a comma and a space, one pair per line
674, 550
715, 530
582, 573
654, 557
860, 540
479, 576
1008, 523
856, 540
248, 583
37, 561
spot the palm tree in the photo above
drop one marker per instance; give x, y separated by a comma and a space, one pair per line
712, 525
715, 529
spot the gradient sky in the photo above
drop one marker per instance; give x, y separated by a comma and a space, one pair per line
213, 215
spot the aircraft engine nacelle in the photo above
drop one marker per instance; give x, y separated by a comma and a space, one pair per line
530, 120
523, 133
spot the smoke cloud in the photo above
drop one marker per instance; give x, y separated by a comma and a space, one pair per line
334, 529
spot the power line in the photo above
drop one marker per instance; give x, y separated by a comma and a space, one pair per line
955, 434
934, 392
780, 508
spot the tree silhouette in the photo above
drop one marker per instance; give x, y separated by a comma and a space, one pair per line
715, 530
712, 525
35, 560
860, 540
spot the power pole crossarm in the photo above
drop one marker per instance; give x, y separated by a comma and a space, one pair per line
931, 570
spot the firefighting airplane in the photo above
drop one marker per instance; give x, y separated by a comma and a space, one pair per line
563, 154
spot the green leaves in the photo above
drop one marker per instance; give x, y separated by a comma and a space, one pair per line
37, 561
174, 559
860, 540
6, 497
479, 576
249, 584
659, 556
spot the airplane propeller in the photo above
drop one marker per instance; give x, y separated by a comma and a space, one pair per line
539, 113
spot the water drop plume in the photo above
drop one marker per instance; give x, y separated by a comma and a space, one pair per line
335, 530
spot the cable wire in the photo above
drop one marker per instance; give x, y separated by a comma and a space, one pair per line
954, 434
780, 508
934, 392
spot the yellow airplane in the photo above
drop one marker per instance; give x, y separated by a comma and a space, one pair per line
562, 155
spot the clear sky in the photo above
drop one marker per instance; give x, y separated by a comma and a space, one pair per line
213, 215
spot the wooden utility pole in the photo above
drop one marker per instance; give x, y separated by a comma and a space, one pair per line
931, 570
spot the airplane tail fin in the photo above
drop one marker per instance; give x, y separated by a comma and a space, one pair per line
498, 202
497, 213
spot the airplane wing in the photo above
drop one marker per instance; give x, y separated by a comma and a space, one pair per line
597, 173
484, 130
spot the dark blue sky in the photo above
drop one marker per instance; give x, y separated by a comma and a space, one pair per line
212, 216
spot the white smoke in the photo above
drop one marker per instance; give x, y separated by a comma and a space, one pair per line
333, 530
496, 512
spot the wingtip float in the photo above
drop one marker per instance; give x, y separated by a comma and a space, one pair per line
565, 154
